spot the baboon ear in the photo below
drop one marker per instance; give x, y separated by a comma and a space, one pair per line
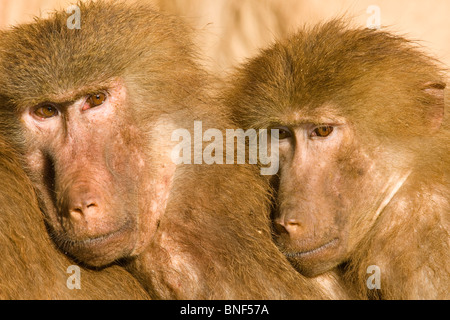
435, 114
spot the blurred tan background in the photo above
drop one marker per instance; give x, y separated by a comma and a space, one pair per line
232, 30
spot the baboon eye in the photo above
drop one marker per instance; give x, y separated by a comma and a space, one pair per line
95, 100
322, 131
46, 111
283, 133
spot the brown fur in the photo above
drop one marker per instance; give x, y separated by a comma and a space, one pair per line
388, 99
191, 233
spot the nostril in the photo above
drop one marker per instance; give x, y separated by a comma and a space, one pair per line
279, 227
79, 211
290, 226
293, 223
76, 214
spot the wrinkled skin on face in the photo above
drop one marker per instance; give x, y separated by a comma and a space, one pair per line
326, 183
86, 158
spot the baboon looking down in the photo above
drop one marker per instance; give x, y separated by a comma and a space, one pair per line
364, 156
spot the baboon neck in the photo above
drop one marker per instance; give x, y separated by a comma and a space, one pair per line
391, 188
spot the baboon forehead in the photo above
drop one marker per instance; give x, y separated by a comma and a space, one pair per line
333, 63
333, 55
58, 53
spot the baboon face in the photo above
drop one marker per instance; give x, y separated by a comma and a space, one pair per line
325, 181
88, 160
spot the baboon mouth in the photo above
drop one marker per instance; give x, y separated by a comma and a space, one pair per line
98, 251
306, 253
103, 240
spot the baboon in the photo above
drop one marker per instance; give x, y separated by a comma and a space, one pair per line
364, 158
96, 108
30, 265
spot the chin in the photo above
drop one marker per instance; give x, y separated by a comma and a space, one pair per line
102, 250
313, 269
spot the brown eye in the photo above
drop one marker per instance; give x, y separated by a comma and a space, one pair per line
97, 99
46, 111
283, 133
322, 131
